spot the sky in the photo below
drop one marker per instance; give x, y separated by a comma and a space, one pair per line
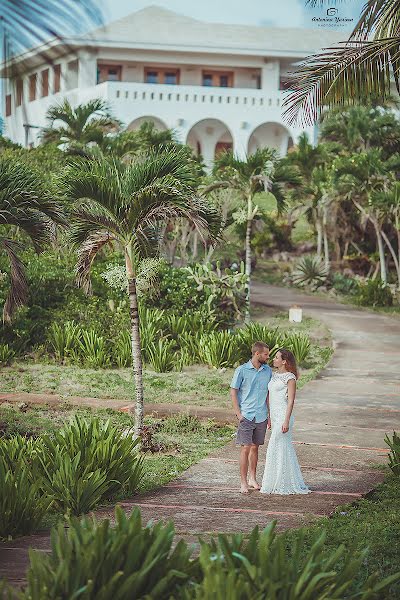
275, 13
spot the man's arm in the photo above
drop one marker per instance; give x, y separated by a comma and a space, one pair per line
235, 403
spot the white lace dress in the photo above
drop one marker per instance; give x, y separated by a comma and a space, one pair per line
282, 474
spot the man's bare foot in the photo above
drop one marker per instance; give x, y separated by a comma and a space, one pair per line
244, 489
254, 485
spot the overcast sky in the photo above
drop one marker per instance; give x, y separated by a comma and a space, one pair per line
278, 13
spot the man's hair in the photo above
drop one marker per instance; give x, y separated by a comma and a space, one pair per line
258, 347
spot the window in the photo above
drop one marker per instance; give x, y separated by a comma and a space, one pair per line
108, 73
32, 87
8, 105
57, 78
19, 92
217, 79
45, 83
159, 75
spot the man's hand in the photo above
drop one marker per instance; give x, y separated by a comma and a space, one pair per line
285, 427
239, 416
269, 423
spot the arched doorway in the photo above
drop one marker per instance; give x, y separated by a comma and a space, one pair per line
136, 123
208, 138
271, 135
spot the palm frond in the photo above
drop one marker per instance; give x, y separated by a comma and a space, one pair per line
87, 218
18, 294
342, 76
86, 255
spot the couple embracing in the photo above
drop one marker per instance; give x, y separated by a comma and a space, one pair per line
263, 399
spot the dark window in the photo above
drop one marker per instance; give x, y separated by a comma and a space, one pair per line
207, 79
113, 75
171, 78
32, 87
57, 78
223, 81
151, 77
8, 105
20, 92
45, 83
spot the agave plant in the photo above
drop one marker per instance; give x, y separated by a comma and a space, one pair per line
162, 355
93, 350
310, 272
218, 349
64, 339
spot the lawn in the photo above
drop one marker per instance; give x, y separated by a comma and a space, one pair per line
195, 385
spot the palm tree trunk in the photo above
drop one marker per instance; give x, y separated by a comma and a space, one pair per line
318, 226
325, 236
136, 356
395, 258
248, 255
381, 250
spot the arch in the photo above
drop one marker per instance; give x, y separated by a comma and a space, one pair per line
208, 137
273, 135
136, 123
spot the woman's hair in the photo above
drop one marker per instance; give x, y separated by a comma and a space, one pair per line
290, 360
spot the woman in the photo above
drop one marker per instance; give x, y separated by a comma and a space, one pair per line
282, 473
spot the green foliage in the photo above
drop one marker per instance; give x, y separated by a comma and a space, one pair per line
176, 291
348, 286
93, 350
86, 462
218, 349
6, 354
255, 332
64, 339
298, 343
162, 355
310, 272
374, 293
94, 561
394, 454
261, 568
122, 349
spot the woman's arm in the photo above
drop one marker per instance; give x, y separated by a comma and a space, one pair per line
291, 396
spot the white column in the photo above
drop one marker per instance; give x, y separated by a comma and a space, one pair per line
241, 136
207, 144
87, 70
270, 73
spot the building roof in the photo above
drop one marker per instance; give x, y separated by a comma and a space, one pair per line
158, 27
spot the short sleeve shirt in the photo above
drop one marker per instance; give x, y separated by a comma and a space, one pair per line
252, 386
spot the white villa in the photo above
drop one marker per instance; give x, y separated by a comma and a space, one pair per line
218, 86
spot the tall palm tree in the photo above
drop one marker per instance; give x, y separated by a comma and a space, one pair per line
82, 125
258, 172
25, 203
388, 203
362, 176
124, 205
358, 71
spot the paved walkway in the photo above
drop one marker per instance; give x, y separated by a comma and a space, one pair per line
340, 422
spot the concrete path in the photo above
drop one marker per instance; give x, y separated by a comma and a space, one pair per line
340, 422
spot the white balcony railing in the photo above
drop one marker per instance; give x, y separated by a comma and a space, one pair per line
190, 94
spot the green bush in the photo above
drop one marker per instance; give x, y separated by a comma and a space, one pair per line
64, 339
93, 350
86, 462
6, 354
261, 568
162, 355
218, 349
298, 343
394, 454
95, 561
122, 349
255, 332
348, 286
310, 272
374, 293
176, 291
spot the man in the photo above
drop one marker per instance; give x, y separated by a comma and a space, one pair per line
249, 390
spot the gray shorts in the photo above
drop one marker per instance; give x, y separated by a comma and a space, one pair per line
250, 432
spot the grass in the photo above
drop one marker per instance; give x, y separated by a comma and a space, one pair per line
196, 385
185, 440
372, 522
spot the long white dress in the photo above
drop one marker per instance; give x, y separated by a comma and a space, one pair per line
282, 474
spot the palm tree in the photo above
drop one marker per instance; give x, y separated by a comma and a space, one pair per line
28, 23
26, 205
362, 176
258, 172
124, 205
359, 71
82, 125
388, 204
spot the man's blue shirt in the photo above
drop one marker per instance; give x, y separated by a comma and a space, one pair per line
252, 386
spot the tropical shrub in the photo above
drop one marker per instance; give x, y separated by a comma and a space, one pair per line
298, 343
176, 291
262, 568
6, 354
348, 286
86, 462
64, 339
374, 293
95, 561
122, 349
218, 349
255, 332
394, 454
310, 272
93, 350
162, 355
